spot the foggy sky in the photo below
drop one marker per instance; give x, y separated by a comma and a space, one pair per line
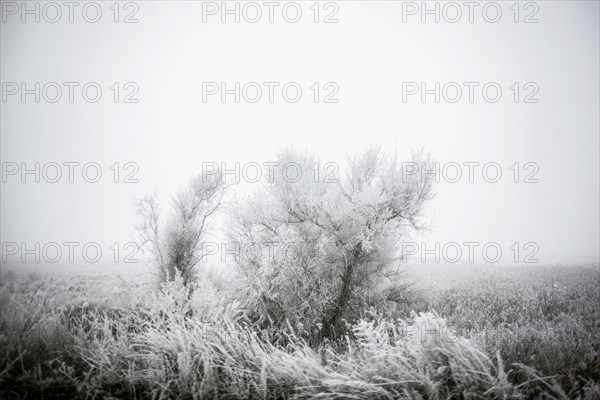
368, 54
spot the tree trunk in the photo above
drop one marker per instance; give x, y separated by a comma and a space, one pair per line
333, 316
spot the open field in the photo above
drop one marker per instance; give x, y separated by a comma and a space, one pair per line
464, 332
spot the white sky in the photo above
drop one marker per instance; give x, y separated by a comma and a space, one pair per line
369, 53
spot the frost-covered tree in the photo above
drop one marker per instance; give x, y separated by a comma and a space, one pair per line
176, 247
314, 247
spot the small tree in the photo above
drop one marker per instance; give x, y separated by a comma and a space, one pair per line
175, 248
345, 236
